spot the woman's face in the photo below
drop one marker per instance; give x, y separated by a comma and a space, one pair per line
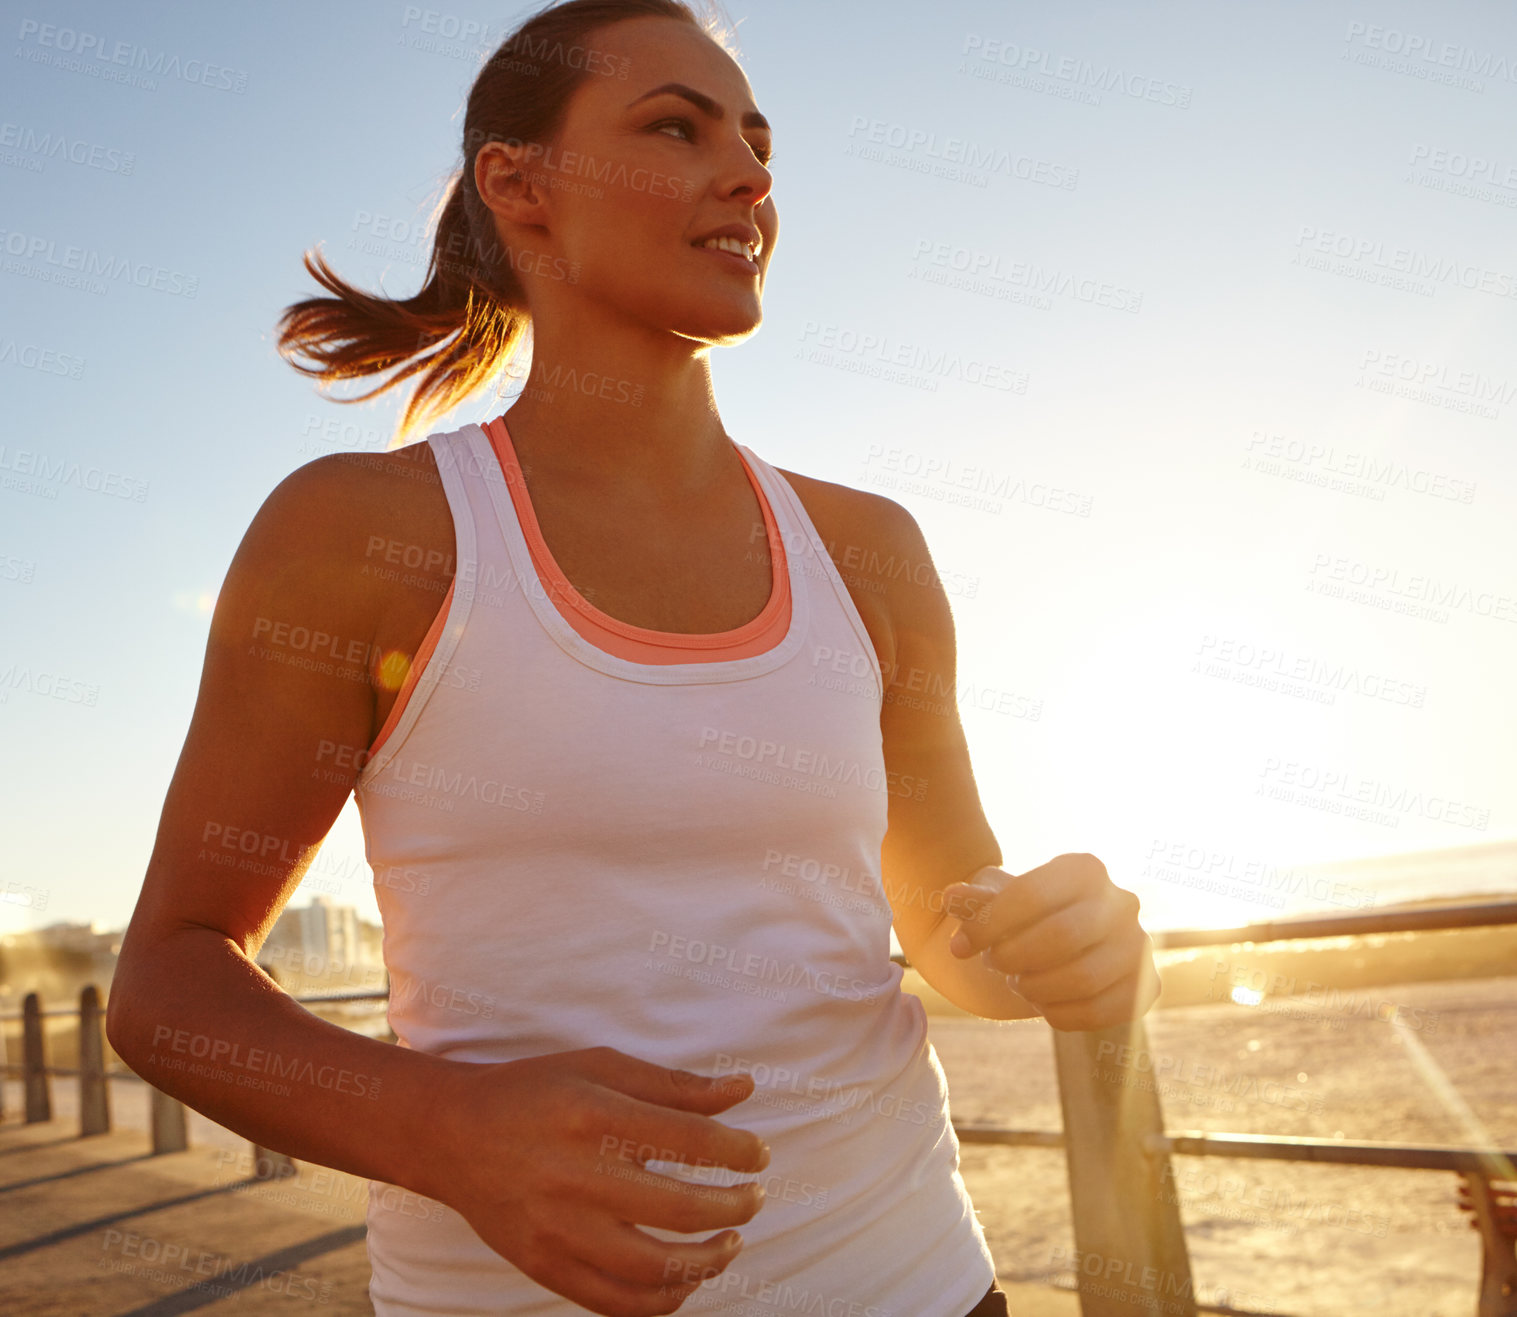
638, 174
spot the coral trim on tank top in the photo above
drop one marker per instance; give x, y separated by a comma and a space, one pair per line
640, 644
643, 644
423, 653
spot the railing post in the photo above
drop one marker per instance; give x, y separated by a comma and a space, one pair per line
268, 1164
170, 1133
1498, 1246
94, 1096
1126, 1215
39, 1096
271, 1165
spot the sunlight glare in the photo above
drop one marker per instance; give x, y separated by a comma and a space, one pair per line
393, 668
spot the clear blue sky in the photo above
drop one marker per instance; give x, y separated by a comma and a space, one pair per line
1248, 181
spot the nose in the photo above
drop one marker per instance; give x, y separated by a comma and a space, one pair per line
747, 177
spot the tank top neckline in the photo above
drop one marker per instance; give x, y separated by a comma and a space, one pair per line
562, 590
780, 506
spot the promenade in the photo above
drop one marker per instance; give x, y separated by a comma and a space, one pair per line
99, 1227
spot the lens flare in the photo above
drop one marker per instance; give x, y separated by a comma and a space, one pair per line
392, 669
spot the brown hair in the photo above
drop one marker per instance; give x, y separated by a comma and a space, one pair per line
471, 294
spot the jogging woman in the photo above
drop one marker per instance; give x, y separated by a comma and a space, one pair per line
652, 743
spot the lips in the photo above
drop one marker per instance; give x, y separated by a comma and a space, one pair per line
746, 233
738, 263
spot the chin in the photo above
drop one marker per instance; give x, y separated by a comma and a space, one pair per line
723, 323
734, 331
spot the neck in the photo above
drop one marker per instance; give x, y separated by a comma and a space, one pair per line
639, 416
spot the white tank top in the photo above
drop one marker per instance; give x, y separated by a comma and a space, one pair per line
682, 861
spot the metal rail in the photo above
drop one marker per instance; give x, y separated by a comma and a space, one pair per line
1114, 1138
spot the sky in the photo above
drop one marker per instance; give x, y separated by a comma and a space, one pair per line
1186, 332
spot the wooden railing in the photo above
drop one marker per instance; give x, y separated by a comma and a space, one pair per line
1116, 1147
167, 1117
1118, 1150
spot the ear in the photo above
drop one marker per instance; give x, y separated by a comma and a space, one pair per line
503, 177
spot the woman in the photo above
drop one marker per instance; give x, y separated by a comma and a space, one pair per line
632, 856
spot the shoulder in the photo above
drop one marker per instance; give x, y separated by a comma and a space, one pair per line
365, 475
340, 499
327, 527
881, 553
863, 521
867, 534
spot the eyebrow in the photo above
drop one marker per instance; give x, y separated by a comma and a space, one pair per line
753, 119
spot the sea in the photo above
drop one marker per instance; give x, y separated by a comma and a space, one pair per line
1483, 872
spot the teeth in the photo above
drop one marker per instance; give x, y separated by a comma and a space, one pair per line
735, 245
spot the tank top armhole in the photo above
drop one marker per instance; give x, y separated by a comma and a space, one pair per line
817, 548
413, 673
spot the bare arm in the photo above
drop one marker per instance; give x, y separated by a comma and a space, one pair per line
244, 815
937, 833
1064, 929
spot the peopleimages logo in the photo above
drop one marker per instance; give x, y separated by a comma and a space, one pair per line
1082, 75
93, 53
771, 1081
1213, 870
1328, 788
60, 146
258, 1066
1391, 260
1275, 663
94, 264
762, 752
1427, 50
449, 784
758, 966
67, 471
959, 151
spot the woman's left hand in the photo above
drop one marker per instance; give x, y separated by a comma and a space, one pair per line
1065, 935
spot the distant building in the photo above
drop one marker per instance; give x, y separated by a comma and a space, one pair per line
56, 961
323, 930
322, 945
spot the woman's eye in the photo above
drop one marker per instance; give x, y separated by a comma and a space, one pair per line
764, 155
675, 123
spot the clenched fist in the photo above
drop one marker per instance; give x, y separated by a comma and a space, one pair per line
1065, 935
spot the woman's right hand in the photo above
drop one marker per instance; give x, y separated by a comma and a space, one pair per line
544, 1158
